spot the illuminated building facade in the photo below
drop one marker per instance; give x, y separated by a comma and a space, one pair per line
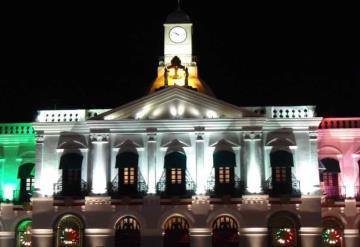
180, 167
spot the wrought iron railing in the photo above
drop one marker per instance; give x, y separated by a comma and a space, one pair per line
278, 191
236, 191
59, 190
163, 191
334, 192
20, 198
116, 191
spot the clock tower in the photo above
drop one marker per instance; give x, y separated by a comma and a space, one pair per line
178, 67
178, 37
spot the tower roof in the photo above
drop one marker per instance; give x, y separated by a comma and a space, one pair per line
178, 16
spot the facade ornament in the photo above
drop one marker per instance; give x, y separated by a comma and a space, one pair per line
99, 137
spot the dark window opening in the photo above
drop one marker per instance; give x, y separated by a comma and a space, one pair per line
127, 232
176, 232
225, 232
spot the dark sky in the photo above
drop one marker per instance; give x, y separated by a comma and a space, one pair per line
102, 56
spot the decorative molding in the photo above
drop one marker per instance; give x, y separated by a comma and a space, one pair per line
255, 199
252, 136
97, 200
99, 137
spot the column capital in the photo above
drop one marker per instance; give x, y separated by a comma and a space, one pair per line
313, 136
99, 137
252, 135
151, 135
40, 137
199, 136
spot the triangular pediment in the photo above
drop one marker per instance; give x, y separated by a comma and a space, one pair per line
176, 103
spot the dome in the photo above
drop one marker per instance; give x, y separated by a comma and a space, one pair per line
178, 16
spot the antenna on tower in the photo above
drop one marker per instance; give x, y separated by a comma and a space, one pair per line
179, 4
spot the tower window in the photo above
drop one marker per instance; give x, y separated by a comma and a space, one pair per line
29, 184
280, 174
129, 175
176, 175
224, 175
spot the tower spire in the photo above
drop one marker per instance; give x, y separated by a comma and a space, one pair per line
179, 5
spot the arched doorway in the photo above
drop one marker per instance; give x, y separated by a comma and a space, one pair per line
225, 232
283, 230
332, 235
176, 232
23, 233
127, 232
69, 231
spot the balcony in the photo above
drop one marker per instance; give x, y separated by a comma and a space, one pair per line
165, 191
336, 193
282, 190
136, 191
76, 192
220, 190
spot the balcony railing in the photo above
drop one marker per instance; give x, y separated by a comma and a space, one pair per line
117, 191
20, 198
60, 191
279, 191
163, 191
237, 189
336, 193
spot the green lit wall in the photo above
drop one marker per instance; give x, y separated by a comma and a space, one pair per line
17, 147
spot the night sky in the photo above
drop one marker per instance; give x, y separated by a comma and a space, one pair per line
103, 55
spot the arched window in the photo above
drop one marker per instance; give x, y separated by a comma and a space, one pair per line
332, 235
225, 232
26, 176
69, 232
23, 233
127, 232
281, 162
175, 173
283, 230
70, 164
329, 177
176, 232
127, 164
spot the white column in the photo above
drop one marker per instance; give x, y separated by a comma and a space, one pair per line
200, 168
100, 156
253, 158
200, 237
309, 175
310, 236
41, 238
351, 238
39, 164
254, 237
99, 237
151, 155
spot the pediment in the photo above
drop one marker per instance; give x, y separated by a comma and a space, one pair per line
176, 103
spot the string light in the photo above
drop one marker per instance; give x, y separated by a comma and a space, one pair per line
331, 236
70, 237
284, 236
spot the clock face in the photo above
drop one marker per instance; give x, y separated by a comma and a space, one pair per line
177, 34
